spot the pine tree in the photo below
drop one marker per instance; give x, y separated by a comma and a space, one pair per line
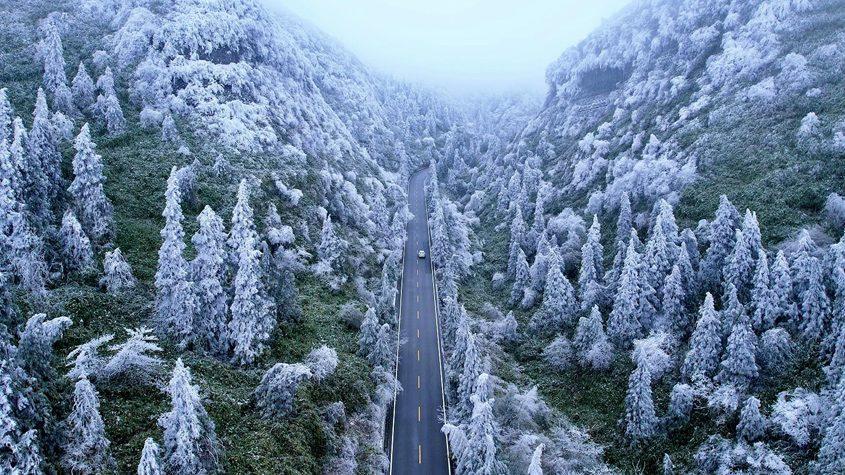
739, 268
275, 395
517, 236
831, 456
190, 441
209, 276
133, 361
29, 454
45, 162
675, 317
733, 311
814, 307
52, 53
540, 266
739, 366
559, 304
640, 418
623, 325
6, 117
472, 368
87, 448
85, 359
253, 315
21, 248
623, 236
589, 283
89, 198
174, 303
837, 323
721, 243
150, 457
112, 114
590, 337
702, 359
330, 247
117, 273
751, 423
522, 278
680, 405
35, 348
536, 465
480, 454
76, 248
21, 164
369, 333
784, 307
668, 466
690, 244
383, 353
762, 296
657, 262
82, 88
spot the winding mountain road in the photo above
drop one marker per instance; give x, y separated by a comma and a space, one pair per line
417, 445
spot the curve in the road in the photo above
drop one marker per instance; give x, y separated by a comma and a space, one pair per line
417, 444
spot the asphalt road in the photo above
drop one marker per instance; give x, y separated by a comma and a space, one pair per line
417, 445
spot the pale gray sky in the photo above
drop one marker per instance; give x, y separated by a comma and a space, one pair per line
462, 45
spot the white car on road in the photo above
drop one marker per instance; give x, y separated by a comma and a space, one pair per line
421, 254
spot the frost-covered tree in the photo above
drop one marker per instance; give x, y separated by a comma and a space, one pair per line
117, 274
559, 304
134, 361
540, 267
44, 163
190, 441
624, 225
150, 459
674, 315
21, 248
517, 237
762, 296
87, 448
536, 465
479, 455
591, 343
35, 348
592, 269
722, 236
470, 371
76, 247
640, 419
775, 350
522, 278
702, 359
368, 333
90, 200
51, 51
559, 353
624, 325
384, 351
111, 113
668, 466
782, 289
209, 276
739, 366
680, 405
815, 306
322, 362
657, 261
82, 88
751, 423
253, 314
175, 304
85, 360
739, 267
330, 248
275, 395
831, 456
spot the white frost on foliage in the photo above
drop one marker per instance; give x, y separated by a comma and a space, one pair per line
797, 415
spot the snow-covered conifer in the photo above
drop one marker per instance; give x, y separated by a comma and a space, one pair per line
517, 237
540, 267
76, 248
83, 89
668, 466
733, 311
624, 225
35, 348
559, 303
815, 306
44, 162
522, 278
112, 114
383, 352
322, 362
722, 237
680, 405
150, 459
169, 132
674, 314
175, 303
134, 361
784, 308
117, 274
624, 325
762, 296
589, 283
63, 101
330, 247
21, 248
470, 371
368, 334
275, 395
190, 441
253, 314
739, 266
831, 456
51, 51
751, 423
775, 350
87, 448
739, 366
657, 261
209, 276
90, 200
85, 359
640, 418
479, 456
536, 465
702, 359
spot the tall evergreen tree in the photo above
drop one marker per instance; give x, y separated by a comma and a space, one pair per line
640, 418
90, 200
831, 456
739, 267
76, 247
209, 276
815, 307
175, 304
536, 465
22, 249
751, 425
369, 333
521, 279
762, 296
150, 464
624, 325
480, 455
517, 236
623, 236
190, 441
82, 88
721, 243
253, 315
589, 283
472, 369
739, 366
702, 359
330, 247
52, 53
87, 448
559, 303
45, 162
117, 274
784, 306
657, 262
540, 267
674, 314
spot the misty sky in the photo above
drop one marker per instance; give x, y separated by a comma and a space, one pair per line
463, 45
